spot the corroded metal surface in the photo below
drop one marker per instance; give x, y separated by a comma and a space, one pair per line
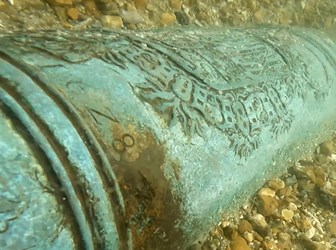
149, 135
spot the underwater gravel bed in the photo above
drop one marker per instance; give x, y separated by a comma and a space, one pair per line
295, 211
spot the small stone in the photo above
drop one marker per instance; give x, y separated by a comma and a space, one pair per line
244, 226
284, 241
266, 192
327, 148
60, 2
252, 4
260, 225
224, 224
304, 223
248, 236
270, 245
291, 180
310, 173
183, 18
239, 243
131, 17
114, 22
316, 174
306, 186
322, 159
310, 232
268, 205
320, 176
229, 232
215, 243
285, 192
167, 19
175, 4
60, 12
257, 236
109, 8
331, 227
140, 4
259, 220
287, 214
292, 206
73, 13
91, 7
276, 184
308, 244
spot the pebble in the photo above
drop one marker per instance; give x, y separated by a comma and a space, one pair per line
331, 227
183, 18
110, 8
244, 226
292, 206
257, 236
73, 13
287, 214
263, 192
259, 220
276, 184
260, 225
239, 243
309, 187
230, 232
310, 232
309, 244
284, 241
91, 7
140, 4
285, 192
131, 17
114, 22
268, 205
248, 236
175, 4
327, 148
167, 19
252, 4
304, 223
270, 245
291, 180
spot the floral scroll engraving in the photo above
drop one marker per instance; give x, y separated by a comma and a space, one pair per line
238, 82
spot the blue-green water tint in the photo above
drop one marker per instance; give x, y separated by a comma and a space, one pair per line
181, 125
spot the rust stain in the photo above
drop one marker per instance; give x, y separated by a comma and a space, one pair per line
130, 143
151, 210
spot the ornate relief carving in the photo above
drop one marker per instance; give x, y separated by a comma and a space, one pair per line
240, 82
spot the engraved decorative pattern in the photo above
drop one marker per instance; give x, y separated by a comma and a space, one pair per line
239, 82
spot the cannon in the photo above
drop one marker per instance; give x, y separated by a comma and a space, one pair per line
142, 140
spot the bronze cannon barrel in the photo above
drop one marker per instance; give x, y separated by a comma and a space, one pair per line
142, 140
